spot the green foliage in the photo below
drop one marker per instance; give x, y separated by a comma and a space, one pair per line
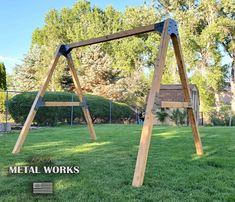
206, 31
207, 34
2, 104
178, 116
123, 59
3, 86
20, 104
26, 75
3, 81
98, 76
222, 117
162, 115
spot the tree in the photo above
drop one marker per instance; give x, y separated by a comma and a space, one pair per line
99, 77
206, 28
206, 31
3, 81
3, 86
25, 75
128, 56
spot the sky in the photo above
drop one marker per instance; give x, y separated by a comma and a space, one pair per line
18, 20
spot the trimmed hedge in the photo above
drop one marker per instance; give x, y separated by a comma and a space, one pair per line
19, 107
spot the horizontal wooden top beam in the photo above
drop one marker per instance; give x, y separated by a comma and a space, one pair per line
140, 30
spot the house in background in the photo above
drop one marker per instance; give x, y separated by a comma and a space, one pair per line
174, 93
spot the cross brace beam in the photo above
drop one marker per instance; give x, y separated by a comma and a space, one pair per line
167, 104
41, 103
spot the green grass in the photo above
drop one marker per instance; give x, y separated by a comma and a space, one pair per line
174, 172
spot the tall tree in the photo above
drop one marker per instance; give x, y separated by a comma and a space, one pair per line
205, 27
99, 77
206, 30
25, 75
3, 81
83, 21
3, 86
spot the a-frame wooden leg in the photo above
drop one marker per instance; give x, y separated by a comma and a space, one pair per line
78, 91
187, 94
33, 110
149, 116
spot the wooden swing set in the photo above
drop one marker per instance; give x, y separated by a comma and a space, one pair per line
168, 30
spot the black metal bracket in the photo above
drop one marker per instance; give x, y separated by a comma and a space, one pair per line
159, 26
40, 103
172, 27
64, 50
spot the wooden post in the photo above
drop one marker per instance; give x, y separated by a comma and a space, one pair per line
148, 122
33, 110
80, 95
186, 91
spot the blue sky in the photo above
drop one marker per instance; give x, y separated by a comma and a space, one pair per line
18, 19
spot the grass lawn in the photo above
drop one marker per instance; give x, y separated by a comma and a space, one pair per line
174, 172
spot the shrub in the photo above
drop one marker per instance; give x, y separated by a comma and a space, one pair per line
216, 120
178, 116
162, 115
99, 107
222, 118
